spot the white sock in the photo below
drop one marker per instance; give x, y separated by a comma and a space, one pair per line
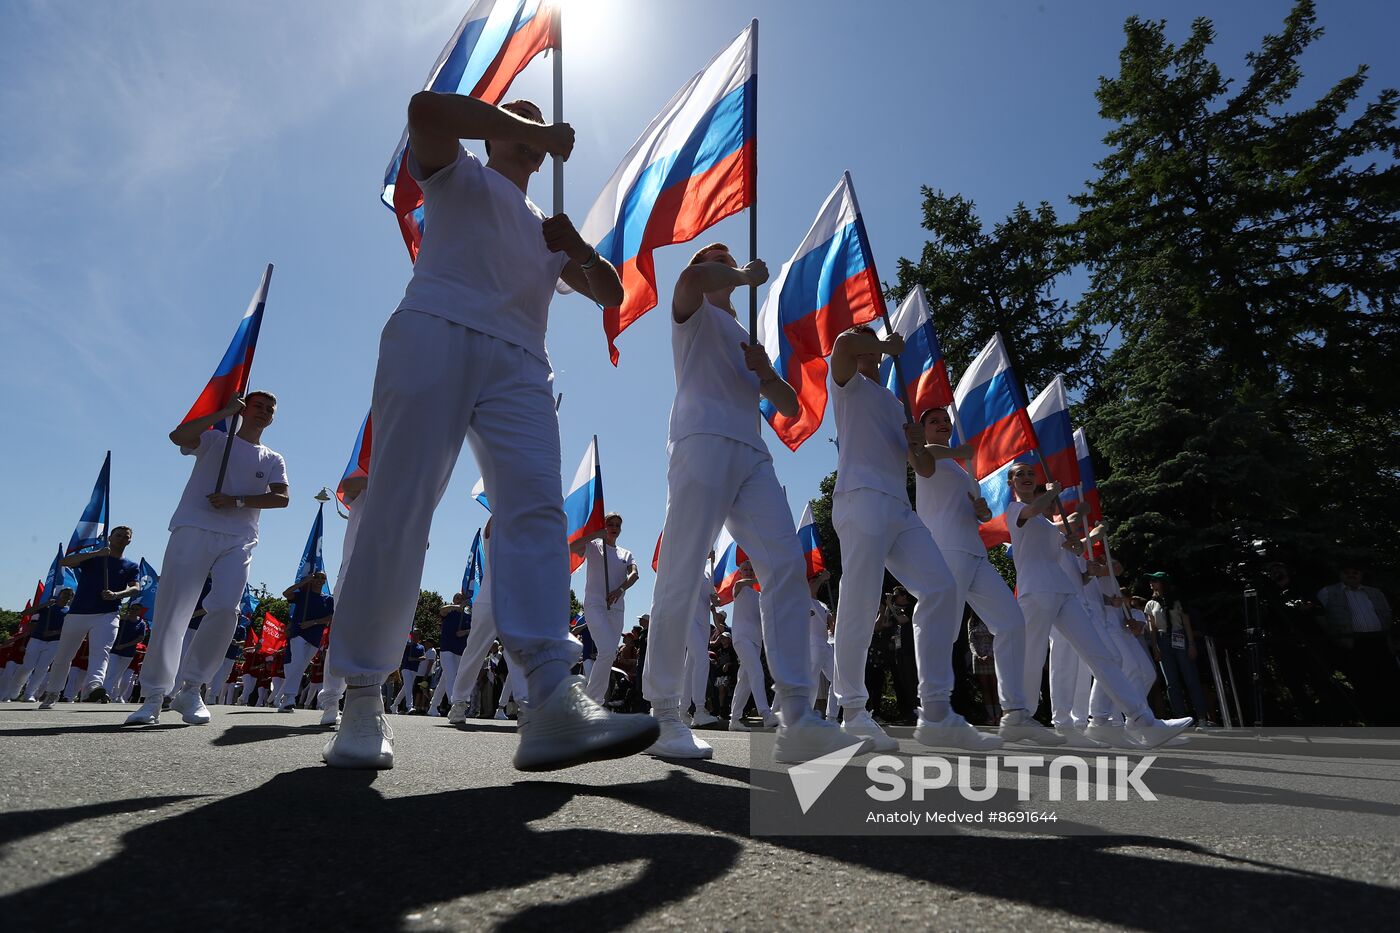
938, 710
543, 679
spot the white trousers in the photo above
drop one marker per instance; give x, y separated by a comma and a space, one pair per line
100, 629
436, 384
878, 531
824, 665
982, 588
478, 645
1070, 681
219, 681
405, 694
1136, 663
228, 693
697, 660
302, 653
77, 677
749, 682
192, 556
450, 661
250, 685
124, 686
38, 655
606, 627
1063, 611
117, 666
713, 482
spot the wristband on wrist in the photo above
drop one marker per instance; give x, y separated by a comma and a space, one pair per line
592, 261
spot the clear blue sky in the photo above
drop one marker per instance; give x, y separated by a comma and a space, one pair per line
158, 154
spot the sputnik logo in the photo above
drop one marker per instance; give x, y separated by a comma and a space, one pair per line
810, 780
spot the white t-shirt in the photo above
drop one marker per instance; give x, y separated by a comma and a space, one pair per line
818, 618
483, 262
715, 392
425, 666
942, 504
1164, 620
747, 622
1035, 549
252, 469
871, 451
619, 561
1363, 612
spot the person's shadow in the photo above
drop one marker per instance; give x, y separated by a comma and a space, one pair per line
322, 849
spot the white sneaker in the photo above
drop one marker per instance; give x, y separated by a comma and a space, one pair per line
458, 713
500, 714
1153, 732
434, 712
738, 725
702, 718
863, 726
811, 736
287, 706
1112, 734
771, 721
674, 738
1020, 726
148, 714
330, 716
364, 739
48, 701
955, 732
1076, 739
190, 707
570, 729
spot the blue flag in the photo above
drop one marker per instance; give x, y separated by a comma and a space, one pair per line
58, 578
471, 580
148, 579
311, 559
248, 605
91, 531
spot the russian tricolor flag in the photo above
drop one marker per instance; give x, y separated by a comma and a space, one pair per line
728, 557
92, 527
583, 503
827, 287
479, 494
493, 43
996, 490
230, 377
1086, 494
1049, 415
926, 382
696, 164
991, 411
358, 466
811, 543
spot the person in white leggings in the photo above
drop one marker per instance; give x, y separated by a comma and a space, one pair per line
479, 642
697, 653
611, 572
1048, 597
747, 635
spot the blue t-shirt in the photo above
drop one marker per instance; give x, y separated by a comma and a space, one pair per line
235, 650
197, 618
126, 629
47, 623
88, 600
456, 620
322, 607
412, 654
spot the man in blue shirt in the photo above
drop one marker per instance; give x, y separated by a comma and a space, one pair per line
105, 578
456, 626
413, 654
45, 626
131, 631
310, 609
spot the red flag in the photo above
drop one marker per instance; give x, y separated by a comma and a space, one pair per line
274, 634
656, 554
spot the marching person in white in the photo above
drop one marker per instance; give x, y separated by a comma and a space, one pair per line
1050, 598
697, 652
212, 536
878, 529
309, 611
455, 632
950, 504
45, 629
720, 473
823, 644
1071, 681
92, 615
603, 604
746, 633
478, 646
463, 357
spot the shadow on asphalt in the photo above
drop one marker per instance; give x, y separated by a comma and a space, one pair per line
373, 860
103, 729
243, 735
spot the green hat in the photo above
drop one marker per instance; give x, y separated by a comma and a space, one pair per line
1160, 575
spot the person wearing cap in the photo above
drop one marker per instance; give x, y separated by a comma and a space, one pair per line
1176, 640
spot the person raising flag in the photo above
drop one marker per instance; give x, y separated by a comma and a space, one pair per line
212, 536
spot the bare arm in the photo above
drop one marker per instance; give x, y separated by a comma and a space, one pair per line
695, 281
850, 345
770, 385
1043, 504
275, 498
437, 121
594, 277
187, 435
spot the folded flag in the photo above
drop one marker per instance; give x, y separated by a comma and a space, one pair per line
59, 577
91, 530
274, 635
811, 543
358, 466
696, 164
491, 45
230, 379
479, 493
925, 371
991, 411
476, 567
827, 287
248, 604
145, 598
583, 503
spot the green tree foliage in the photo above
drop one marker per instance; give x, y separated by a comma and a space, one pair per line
426, 616
1245, 248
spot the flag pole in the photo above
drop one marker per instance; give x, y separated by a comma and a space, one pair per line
603, 542
753, 180
1035, 439
559, 108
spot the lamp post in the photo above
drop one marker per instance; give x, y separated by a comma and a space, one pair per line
325, 495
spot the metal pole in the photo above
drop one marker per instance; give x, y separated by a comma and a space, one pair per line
559, 113
1219, 685
753, 179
